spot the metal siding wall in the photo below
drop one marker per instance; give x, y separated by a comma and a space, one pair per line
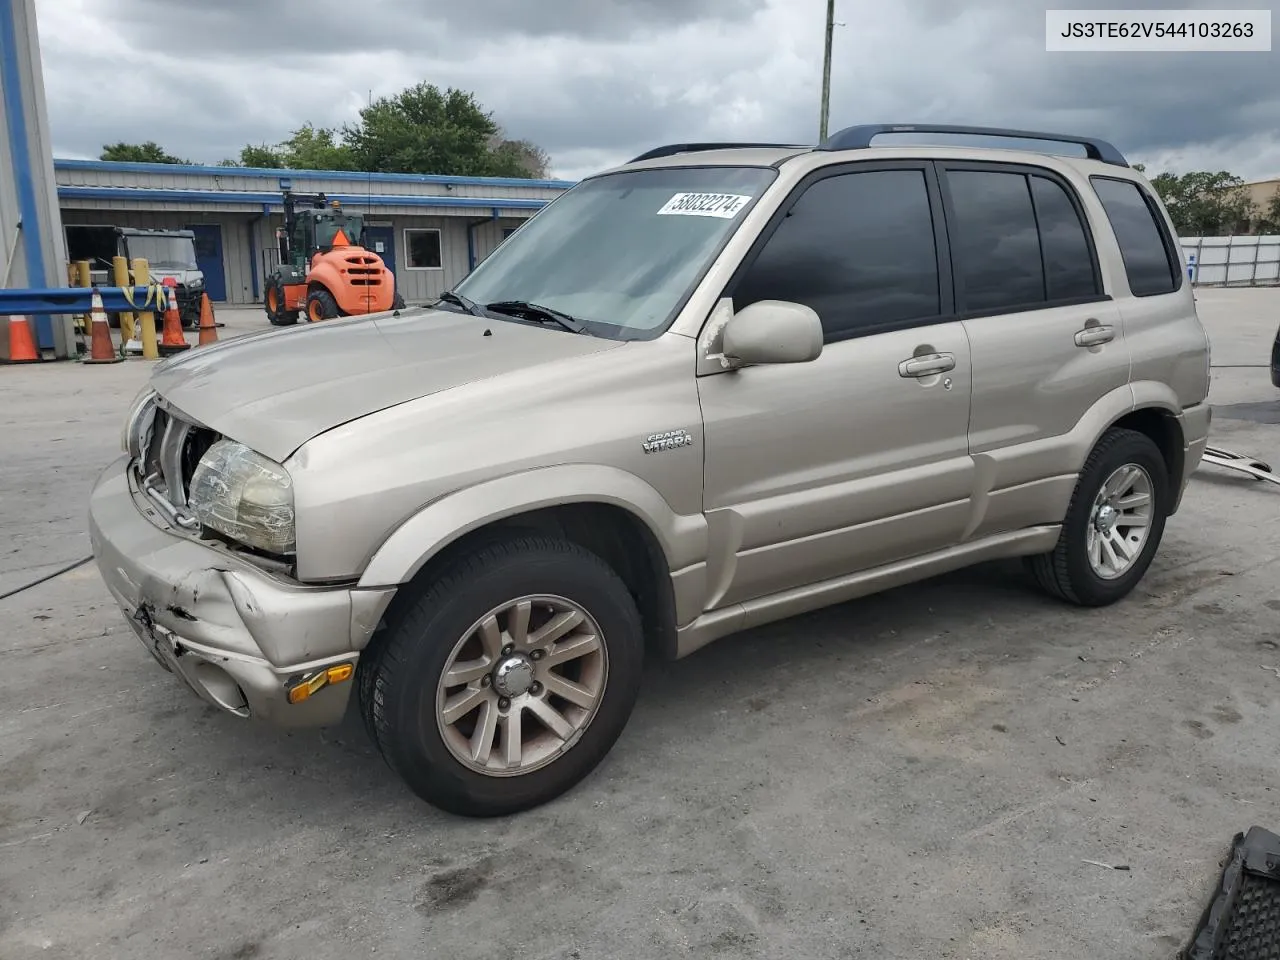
489, 235
420, 285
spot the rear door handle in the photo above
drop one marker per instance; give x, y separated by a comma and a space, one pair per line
927, 366
1095, 336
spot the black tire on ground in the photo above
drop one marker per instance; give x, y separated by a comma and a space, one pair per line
274, 302
321, 306
1066, 572
404, 665
398, 302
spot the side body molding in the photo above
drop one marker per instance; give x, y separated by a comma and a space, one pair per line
683, 538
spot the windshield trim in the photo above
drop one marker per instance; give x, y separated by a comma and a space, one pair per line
624, 334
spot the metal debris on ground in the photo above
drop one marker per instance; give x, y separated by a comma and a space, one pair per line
1258, 469
1242, 921
1107, 866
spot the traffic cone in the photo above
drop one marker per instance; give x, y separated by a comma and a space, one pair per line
101, 349
208, 329
173, 340
22, 345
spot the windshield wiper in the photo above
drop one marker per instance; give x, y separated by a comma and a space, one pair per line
470, 306
533, 311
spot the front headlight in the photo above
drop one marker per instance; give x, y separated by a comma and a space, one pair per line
129, 434
245, 496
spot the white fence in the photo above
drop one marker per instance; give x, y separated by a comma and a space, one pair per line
1233, 261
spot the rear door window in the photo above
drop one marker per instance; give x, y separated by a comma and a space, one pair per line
994, 242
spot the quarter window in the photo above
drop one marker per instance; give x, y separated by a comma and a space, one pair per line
858, 248
1143, 240
424, 249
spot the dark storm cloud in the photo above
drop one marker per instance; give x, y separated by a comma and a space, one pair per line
595, 81
308, 26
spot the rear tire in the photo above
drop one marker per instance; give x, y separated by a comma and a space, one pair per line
469, 761
1114, 523
321, 306
398, 302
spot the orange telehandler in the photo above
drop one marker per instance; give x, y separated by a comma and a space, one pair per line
325, 271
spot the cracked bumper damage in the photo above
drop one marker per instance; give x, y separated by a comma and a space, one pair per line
235, 635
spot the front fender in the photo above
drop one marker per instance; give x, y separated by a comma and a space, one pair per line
683, 539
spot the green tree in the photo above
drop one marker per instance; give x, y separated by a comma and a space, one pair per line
424, 129
149, 152
260, 156
520, 158
1204, 203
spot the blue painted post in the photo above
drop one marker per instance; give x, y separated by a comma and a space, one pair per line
31, 240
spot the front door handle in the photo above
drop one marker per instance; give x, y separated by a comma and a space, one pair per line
927, 366
1096, 335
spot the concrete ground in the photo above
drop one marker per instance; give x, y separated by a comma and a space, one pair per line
923, 773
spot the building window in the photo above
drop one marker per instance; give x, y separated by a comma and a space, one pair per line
508, 231
424, 249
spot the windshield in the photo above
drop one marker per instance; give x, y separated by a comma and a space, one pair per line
164, 253
621, 251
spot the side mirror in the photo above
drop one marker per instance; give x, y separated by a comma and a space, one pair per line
773, 331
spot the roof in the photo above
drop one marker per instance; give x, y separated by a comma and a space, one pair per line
106, 184
116, 166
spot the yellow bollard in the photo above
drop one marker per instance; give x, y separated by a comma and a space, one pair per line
146, 319
78, 276
120, 273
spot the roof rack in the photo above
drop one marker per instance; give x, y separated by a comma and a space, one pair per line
671, 149
860, 137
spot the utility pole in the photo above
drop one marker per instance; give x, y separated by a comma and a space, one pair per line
826, 72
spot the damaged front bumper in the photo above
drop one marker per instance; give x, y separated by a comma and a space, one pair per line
236, 635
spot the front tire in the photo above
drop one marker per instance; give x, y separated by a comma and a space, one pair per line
509, 679
274, 301
1114, 524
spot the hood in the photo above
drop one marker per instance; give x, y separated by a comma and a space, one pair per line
277, 389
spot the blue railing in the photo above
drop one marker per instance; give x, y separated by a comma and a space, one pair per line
65, 300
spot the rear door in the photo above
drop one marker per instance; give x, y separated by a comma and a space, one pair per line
859, 458
1047, 342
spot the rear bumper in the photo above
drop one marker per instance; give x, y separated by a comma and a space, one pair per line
1195, 436
233, 634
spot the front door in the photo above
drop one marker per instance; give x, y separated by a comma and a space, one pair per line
859, 458
208, 243
1047, 343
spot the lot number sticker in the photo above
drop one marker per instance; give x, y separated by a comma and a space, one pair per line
722, 205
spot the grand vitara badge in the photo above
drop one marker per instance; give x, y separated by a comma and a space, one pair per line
668, 440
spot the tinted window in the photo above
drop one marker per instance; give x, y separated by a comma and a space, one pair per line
994, 242
1068, 262
858, 248
1146, 258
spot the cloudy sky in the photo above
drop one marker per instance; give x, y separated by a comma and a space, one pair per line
596, 81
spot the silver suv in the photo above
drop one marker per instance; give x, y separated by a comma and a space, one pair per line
715, 387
